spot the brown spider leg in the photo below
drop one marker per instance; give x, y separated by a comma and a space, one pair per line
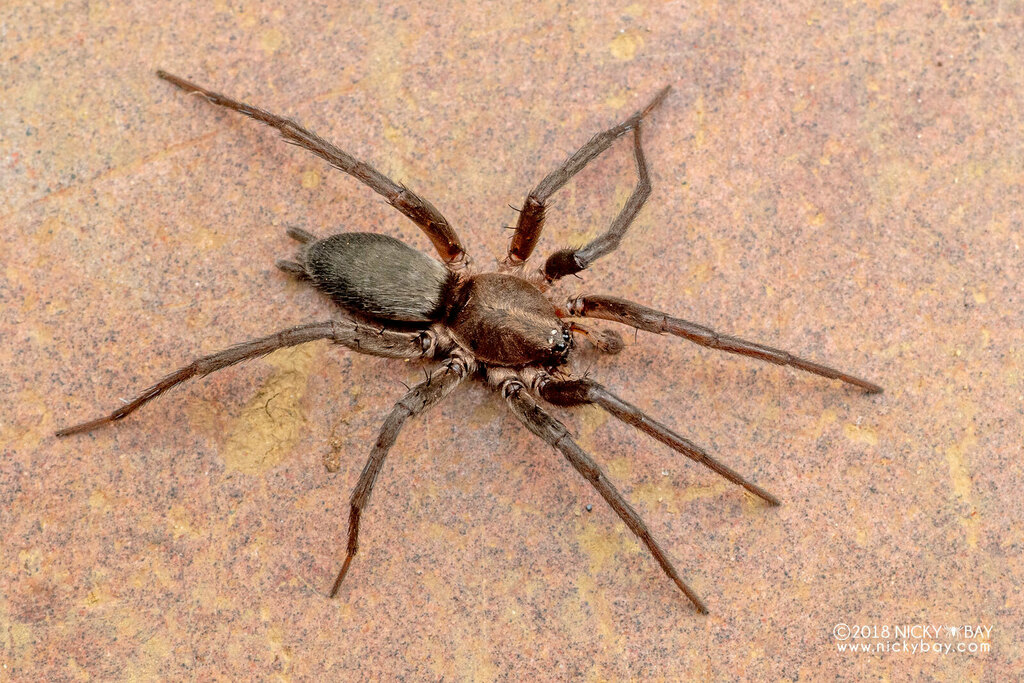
427, 393
583, 391
554, 433
531, 217
356, 336
571, 261
650, 320
417, 209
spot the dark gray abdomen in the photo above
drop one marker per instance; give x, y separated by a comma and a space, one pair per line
378, 276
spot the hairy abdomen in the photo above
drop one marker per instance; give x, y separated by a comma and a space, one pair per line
378, 276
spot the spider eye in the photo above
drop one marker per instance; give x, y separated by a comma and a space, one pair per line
561, 347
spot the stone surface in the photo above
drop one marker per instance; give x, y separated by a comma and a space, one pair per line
841, 180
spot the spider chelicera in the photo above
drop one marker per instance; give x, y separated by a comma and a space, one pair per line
499, 327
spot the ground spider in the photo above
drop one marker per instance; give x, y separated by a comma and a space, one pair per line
499, 327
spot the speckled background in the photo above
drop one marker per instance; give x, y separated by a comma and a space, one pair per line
842, 179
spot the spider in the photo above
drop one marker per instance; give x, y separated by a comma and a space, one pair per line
499, 327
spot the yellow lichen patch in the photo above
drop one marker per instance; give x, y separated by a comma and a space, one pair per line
204, 238
960, 475
157, 570
861, 433
618, 469
30, 560
1014, 374
590, 418
699, 273
625, 45
696, 492
447, 537
616, 101
99, 597
149, 658
611, 638
393, 135
207, 592
474, 660
832, 147
246, 17
269, 425
660, 492
486, 412
275, 636
590, 603
17, 274
896, 180
634, 10
157, 647
699, 125
177, 521
270, 40
99, 13
100, 501
21, 634
599, 544
47, 230
827, 417
310, 179
437, 591
79, 672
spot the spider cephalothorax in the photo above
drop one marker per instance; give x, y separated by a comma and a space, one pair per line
498, 326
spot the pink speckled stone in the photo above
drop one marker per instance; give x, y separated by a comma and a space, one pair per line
841, 180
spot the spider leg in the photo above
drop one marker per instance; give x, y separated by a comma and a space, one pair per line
571, 261
650, 320
356, 336
418, 210
427, 393
554, 433
531, 218
582, 391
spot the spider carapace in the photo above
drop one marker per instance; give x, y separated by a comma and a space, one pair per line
500, 327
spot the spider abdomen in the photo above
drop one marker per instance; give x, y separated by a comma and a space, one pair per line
378, 276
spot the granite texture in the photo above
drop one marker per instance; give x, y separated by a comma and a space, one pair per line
843, 180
